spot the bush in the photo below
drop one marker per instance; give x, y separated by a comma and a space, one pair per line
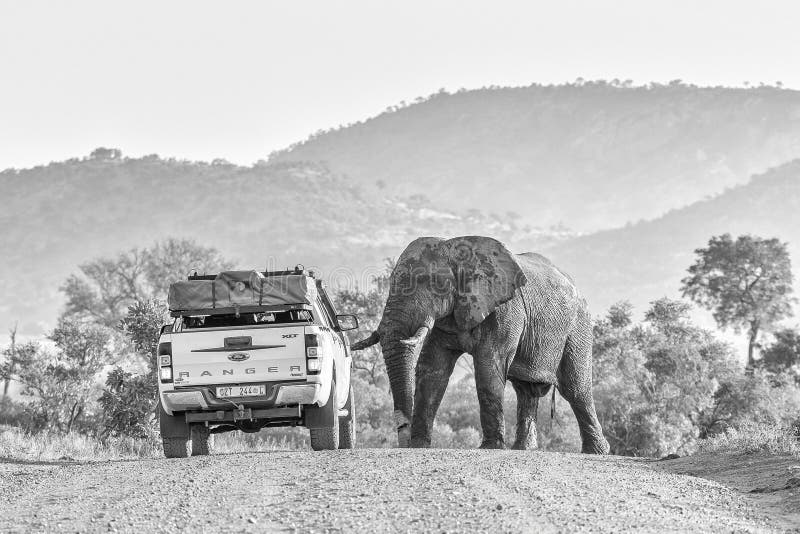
61, 385
374, 419
750, 437
654, 383
762, 398
128, 400
445, 437
11, 413
128, 404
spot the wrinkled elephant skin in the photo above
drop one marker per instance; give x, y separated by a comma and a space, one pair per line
520, 318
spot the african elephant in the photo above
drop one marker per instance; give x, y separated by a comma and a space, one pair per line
519, 317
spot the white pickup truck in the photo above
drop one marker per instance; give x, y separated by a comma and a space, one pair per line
249, 350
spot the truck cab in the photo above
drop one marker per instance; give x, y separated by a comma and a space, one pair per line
248, 350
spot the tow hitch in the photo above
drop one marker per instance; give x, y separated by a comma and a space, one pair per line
241, 413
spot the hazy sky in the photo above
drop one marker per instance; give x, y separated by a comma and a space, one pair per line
201, 80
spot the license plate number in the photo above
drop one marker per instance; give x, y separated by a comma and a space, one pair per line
241, 391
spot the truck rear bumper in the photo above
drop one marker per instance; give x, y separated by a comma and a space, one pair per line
203, 398
285, 413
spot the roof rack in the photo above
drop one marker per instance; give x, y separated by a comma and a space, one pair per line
264, 273
241, 309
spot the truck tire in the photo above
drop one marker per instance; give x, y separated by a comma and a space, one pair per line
327, 438
202, 440
174, 434
175, 447
347, 424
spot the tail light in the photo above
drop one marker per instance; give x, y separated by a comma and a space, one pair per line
164, 356
313, 355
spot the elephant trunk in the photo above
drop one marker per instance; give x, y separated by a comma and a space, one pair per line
400, 368
400, 354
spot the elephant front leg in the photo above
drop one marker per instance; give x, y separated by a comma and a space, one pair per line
491, 384
527, 408
434, 367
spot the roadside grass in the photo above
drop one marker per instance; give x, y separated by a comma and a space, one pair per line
755, 437
16, 444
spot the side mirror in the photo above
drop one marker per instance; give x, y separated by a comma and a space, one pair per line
166, 329
347, 322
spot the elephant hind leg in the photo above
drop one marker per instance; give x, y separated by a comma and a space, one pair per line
527, 407
575, 385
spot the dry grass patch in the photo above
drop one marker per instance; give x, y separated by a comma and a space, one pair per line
755, 437
16, 444
19, 445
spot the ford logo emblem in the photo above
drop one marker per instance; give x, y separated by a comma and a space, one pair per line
238, 357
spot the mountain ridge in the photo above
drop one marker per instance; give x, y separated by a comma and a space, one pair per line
590, 156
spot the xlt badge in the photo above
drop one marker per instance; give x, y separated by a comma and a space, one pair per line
285, 336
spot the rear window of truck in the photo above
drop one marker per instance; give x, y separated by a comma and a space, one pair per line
195, 322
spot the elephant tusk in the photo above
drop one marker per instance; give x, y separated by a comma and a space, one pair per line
373, 338
416, 338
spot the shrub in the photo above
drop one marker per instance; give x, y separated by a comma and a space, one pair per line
128, 400
761, 398
11, 412
654, 382
60, 384
128, 404
750, 437
445, 437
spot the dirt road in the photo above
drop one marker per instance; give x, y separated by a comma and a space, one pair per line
370, 491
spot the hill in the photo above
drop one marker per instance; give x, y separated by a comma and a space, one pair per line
57, 216
591, 156
645, 261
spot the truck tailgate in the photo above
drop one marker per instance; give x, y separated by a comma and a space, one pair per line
232, 356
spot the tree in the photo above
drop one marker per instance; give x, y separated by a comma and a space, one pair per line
61, 384
103, 153
106, 287
620, 314
783, 354
12, 333
746, 283
128, 400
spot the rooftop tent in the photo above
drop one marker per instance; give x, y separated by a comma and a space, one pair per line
231, 289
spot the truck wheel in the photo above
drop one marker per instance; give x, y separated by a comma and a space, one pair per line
175, 447
347, 424
327, 438
174, 434
202, 440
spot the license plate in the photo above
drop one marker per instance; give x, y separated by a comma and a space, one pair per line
225, 392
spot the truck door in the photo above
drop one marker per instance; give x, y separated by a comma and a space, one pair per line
341, 354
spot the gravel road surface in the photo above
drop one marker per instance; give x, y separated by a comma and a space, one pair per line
370, 490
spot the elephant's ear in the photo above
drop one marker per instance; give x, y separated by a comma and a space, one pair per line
487, 275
